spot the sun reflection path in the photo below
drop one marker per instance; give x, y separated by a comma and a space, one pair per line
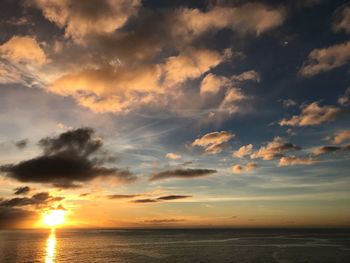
51, 247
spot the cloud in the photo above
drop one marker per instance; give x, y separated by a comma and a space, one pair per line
340, 136
250, 75
15, 217
161, 199
39, 199
345, 99
274, 149
21, 144
250, 18
117, 196
237, 169
9, 74
294, 160
81, 18
146, 200
213, 142
69, 159
243, 151
173, 197
288, 103
321, 60
312, 114
22, 190
23, 49
230, 103
182, 174
212, 84
173, 156
109, 89
342, 22
191, 64
328, 149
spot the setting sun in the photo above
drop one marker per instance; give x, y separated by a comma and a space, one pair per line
54, 218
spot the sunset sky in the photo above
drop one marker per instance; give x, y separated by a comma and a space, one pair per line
160, 113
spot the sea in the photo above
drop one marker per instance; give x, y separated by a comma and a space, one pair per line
175, 245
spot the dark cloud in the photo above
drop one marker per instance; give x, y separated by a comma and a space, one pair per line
121, 196
21, 144
71, 158
38, 199
14, 217
162, 198
182, 173
173, 197
146, 200
22, 190
329, 149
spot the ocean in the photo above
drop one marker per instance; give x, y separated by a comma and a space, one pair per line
175, 245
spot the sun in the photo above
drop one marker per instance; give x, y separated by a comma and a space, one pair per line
54, 218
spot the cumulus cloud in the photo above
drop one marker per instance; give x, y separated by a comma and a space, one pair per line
24, 49
243, 151
118, 196
213, 142
325, 59
295, 160
312, 114
182, 174
21, 144
274, 149
173, 156
342, 20
81, 18
340, 136
23, 190
212, 84
67, 160
253, 18
191, 64
345, 99
250, 75
237, 169
230, 103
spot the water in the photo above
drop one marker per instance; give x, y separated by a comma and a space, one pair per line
190, 245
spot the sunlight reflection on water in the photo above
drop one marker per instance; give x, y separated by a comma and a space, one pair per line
51, 247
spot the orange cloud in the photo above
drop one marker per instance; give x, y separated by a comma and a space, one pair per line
173, 156
243, 151
23, 49
294, 160
274, 149
81, 18
325, 59
237, 169
213, 142
312, 114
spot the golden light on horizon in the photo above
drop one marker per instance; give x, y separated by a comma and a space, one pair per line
53, 218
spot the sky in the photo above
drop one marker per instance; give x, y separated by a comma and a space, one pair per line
215, 113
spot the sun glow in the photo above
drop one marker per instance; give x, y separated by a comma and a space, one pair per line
54, 218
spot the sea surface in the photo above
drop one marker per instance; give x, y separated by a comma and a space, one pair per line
175, 245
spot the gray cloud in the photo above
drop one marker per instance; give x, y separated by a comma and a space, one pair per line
22, 190
69, 159
182, 173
